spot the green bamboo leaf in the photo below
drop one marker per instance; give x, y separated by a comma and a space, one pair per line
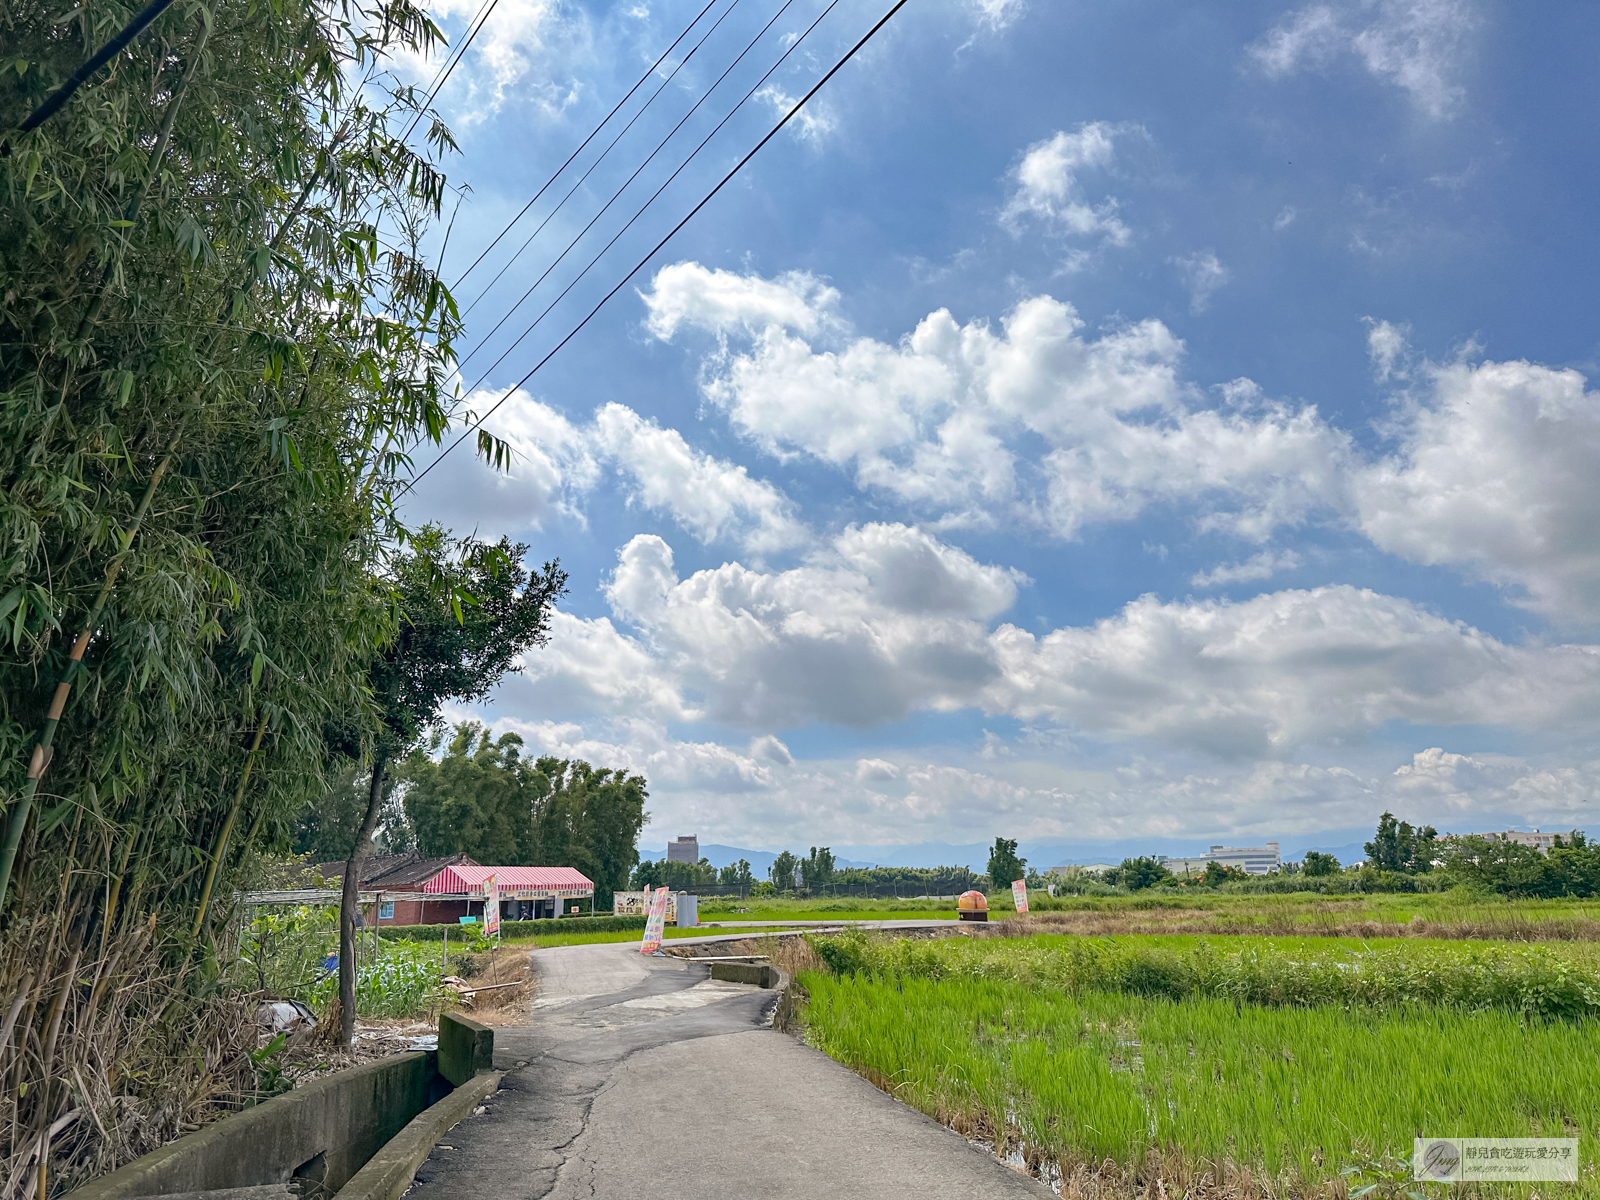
256, 665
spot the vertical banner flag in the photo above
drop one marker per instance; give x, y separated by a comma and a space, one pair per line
657, 919
491, 906
1019, 893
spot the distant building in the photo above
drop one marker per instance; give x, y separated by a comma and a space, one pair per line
412, 890
685, 850
1542, 842
1252, 860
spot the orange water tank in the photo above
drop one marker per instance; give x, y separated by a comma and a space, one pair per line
972, 906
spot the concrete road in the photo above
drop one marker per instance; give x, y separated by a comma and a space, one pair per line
643, 1079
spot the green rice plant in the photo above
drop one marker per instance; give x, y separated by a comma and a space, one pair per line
1295, 1093
1536, 982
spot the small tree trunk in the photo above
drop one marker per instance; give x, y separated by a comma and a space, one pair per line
349, 902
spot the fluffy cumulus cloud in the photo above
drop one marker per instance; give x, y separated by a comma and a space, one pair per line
1259, 678
1047, 185
887, 621
1414, 44
884, 621
949, 420
1462, 783
556, 462
1493, 472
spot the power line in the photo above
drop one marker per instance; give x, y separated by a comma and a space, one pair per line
560, 204
593, 133
443, 76
617, 195
594, 260
643, 262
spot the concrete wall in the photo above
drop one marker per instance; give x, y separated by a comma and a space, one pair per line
465, 1048
324, 1130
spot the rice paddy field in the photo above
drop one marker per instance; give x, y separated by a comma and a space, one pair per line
1168, 1066
1458, 913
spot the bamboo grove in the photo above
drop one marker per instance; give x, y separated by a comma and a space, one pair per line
218, 345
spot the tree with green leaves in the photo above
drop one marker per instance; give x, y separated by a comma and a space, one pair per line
466, 611
1398, 847
783, 872
1136, 874
1316, 865
475, 795
590, 820
816, 870
737, 874
1004, 865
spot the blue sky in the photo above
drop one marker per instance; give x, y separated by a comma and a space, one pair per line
1086, 422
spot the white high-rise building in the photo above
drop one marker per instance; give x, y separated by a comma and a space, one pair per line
685, 849
1252, 860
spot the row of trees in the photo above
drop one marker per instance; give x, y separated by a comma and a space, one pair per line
477, 795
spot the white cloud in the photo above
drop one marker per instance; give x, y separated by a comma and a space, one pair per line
882, 622
1257, 678
644, 747
996, 15
1414, 44
552, 466
887, 621
687, 294
1259, 566
811, 124
1203, 273
520, 53
771, 749
950, 419
1285, 218
711, 498
1495, 474
876, 770
1046, 184
555, 463
1386, 346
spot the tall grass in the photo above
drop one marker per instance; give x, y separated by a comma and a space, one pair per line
1294, 1094
1530, 981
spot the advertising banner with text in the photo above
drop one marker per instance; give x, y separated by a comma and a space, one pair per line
654, 926
491, 906
1019, 893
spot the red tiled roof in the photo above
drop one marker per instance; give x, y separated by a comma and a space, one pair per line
515, 882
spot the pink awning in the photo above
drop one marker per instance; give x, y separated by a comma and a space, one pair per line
516, 883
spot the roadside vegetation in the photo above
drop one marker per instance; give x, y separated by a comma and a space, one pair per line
1227, 1065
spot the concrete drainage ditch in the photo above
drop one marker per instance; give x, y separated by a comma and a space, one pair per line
358, 1134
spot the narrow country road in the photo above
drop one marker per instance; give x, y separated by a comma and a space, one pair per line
644, 1079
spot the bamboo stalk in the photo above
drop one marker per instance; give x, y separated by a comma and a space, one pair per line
45, 750
157, 154
227, 828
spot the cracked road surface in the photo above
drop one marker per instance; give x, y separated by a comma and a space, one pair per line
647, 1080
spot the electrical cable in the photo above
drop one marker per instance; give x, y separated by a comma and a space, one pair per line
795, 45
443, 75
673, 232
617, 195
593, 133
550, 216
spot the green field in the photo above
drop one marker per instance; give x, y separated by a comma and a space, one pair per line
634, 935
1268, 1064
